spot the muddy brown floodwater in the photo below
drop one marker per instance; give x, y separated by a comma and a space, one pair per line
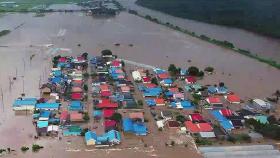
152, 44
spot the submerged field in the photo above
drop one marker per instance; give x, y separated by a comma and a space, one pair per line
152, 44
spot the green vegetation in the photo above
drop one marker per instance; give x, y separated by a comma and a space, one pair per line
180, 118
24, 148
154, 81
36, 147
117, 117
84, 131
33, 5
209, 69
86, 75
193, 71
255, 15
268, 130
85, 87
173, 70
224, 44
86, 116
140, 102
200, 141
239, 138
4, 32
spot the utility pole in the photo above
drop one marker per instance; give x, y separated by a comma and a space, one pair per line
2, 99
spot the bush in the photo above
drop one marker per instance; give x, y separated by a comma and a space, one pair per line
133, 12
85, 87
231, 139
84, 131
154, 81
209, 69
199, 141
86, 75
117, 117
140, 102
24, 148
180, 118
36, 147
200, 74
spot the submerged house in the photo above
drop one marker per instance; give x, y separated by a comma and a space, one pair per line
24, 104
138, 128
112, 137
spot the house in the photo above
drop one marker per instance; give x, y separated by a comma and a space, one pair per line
160, 124
160, 102
196, 117
205, 130
222, 90
106, 103
136, 76
226, 112
152, 92
146, 79
24, 104
150, 85
44, 115
178, 95
184, 104
150, 102
116, 63
104, 88
72, 130
224, 122
76, 106
77, 90
64, 117
215, 102
136, 116
166, 82
129, 104
105, 93
76, 117
112, 137
261, 104
45, 91
108, 113
97, 114
233, 99
166, 114
212, 89
125, 89
190, 80
110, 125
138, 128
76, 96
47, 106
173, 124
163, 76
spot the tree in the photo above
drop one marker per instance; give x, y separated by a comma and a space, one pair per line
272, 120
106, 52
86, 75
200, 74
117, 117
221, 84
173, 70
193, 71
86, 116
140, 102
180, 118
85, 55
84, 131
154, 81
24, 148
85, 87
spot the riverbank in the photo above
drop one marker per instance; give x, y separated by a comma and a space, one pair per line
224, 44
261, 45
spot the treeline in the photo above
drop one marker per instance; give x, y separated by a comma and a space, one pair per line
262, 16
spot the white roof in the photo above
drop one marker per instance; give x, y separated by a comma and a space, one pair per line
160, 123
207, 134
262, 103
136, 75
52, 128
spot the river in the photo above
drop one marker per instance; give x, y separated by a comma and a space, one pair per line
261, 45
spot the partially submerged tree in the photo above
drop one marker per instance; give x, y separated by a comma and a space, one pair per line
193, 71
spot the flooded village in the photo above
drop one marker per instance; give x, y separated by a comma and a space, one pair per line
122, 86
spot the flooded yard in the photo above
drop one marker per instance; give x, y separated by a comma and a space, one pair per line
151, 44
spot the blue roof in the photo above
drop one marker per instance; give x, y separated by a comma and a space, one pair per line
56, 80
47, 106
159, 71
222, 90
169, 93
109, 136
76, 106
186, 104
24, 101
134, 127
183, 72
57, 73
45, 114
167, 81
97, 113
89, 135
42, 124
212, 89
150, 102
262, 119
225, 123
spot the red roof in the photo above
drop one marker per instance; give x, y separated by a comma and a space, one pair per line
226, 112
107, 113
173, 124
106, 93
62, 59
116, 63
190, 79
64, 115
198, 127
110, 123
76, 96
232, 98
163, 76
159, 101
146, 79
214, 100
106, 103
174, 89
150, 85
136, 115
196, 117
80, 58
75, 116
104, 87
